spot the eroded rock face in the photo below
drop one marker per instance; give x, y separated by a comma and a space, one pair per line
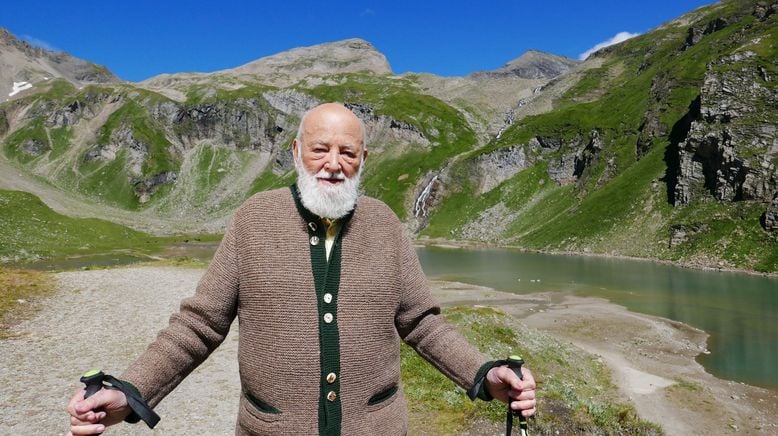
500, 165
123, 138
652, 127
562, 170
731, 151
381, 129
242, 123
34, 147
763, 10
696, 33
681, 233
770, 216
144, 188
289, 101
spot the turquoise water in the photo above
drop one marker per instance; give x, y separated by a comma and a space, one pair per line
739, 311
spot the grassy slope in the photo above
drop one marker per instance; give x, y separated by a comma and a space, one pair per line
29, 229
627, 212
575, 393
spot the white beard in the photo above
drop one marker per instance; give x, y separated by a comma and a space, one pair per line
332, 202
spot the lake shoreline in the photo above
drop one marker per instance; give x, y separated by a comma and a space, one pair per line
652, 359
451, 243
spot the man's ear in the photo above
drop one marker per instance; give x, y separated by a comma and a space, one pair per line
364, 155
294, 149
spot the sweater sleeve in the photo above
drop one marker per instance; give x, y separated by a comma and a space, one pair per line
421, 325
200, 326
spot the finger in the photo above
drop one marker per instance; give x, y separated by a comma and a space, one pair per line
528, 380
96, 401
87, 429
507, 376
523, 385
522, 395
76, 398
523, 405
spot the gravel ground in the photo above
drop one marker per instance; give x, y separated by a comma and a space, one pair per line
41, 366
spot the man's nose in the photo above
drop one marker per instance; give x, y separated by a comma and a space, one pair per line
333, 161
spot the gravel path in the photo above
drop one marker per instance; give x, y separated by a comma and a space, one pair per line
41, 366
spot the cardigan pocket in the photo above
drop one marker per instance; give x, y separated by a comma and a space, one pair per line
382, 396
260, 409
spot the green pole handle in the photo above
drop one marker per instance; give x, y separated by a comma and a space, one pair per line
94, 382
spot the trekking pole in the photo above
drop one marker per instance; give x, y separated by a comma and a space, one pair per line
94, 382
96, 379
515, 363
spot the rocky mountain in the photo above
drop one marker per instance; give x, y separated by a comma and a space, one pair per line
662, 146
348, 56
23, 66
314, 63
534, 65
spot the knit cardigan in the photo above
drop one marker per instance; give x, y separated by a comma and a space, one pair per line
263, 273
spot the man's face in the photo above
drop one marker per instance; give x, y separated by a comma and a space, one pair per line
328, 156
331, 146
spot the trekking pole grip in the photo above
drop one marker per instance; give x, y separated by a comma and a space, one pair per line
515, 363
94, 382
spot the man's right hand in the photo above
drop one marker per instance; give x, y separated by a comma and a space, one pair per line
91, 416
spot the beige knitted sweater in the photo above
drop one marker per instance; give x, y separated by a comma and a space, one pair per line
262, 272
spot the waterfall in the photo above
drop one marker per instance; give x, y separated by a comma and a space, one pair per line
418, 207
507, 121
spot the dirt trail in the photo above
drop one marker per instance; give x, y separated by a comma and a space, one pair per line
41, 365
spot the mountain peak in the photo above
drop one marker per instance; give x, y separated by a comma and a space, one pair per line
535, 64
24, 66
345, 56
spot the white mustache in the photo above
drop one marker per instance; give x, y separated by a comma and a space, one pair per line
328, 175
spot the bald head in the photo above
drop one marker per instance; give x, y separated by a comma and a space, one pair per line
335, 115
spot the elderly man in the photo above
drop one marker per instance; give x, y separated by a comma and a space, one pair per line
324, 283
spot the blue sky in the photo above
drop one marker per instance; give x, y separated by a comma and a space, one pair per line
140, 39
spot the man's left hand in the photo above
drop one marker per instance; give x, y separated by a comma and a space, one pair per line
502, 383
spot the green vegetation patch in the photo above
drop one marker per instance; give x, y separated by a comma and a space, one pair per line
30, 230
575, 394
20, 290
28, 143
112, 180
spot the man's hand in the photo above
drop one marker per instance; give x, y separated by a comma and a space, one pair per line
502, 383
93, 415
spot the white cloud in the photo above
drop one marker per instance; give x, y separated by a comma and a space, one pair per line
619, 37
38, 43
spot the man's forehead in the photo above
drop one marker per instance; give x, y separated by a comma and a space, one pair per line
328, 143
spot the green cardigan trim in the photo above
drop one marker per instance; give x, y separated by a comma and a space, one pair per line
326, 276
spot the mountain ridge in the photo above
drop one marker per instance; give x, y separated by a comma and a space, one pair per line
26, 64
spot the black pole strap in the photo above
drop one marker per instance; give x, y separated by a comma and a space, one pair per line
95, 380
